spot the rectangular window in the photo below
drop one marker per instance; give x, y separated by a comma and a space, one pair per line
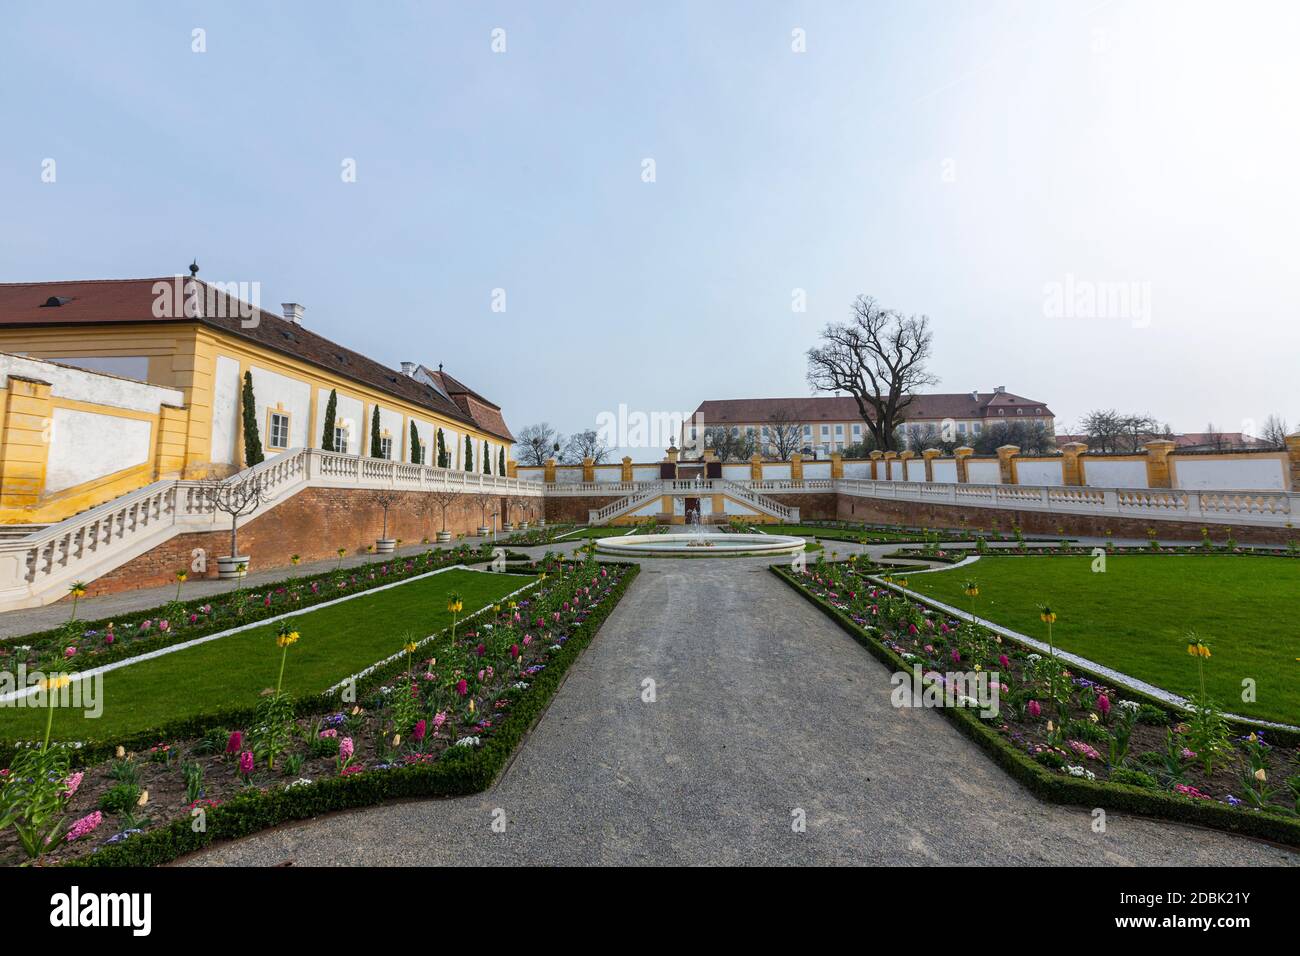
807, 431
279, 430
386, 448
857, 430
839, 431
976, 427
961, 428
826, 430
340, 439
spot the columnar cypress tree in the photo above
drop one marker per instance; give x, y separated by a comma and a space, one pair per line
331, 410
442, 451
415, 445
252, 440
501, 462
487, 458
469, 454
376, 449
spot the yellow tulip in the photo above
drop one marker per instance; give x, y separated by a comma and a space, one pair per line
55, 683
1260, 775
410, 647
144, 798
397, 740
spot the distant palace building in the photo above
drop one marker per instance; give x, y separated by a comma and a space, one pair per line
833, 423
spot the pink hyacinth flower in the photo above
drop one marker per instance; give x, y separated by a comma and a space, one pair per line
1034, 708
235, 743
1103, 704
246, 762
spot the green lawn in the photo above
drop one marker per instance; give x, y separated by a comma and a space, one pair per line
232, 671
839, 534
1136, 615
603, 531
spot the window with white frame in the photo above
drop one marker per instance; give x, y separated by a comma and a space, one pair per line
340, 438
278, 433
386, 447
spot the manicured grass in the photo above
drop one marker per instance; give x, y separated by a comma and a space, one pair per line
838, 534
603, 531
1135, 617
232, 671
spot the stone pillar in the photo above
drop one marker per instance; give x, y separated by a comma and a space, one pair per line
875, 464
671, 456
756, 467
719, 505
837, 465
548, 471
1072, 463
24, 442
930, 454
1158, 463
512, 468
796, 467
1007, 463
588, 469
1293, 453
904, 459
169, 450
890, 458
961, 454
627, 468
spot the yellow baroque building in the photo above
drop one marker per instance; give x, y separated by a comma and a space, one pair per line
108, 385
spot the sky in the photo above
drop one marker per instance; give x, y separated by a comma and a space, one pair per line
583, 206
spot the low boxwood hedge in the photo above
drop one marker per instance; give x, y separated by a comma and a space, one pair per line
457, 772
1075, 791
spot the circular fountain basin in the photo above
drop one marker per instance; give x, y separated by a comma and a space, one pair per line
699, 545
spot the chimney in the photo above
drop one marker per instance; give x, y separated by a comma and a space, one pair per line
408, 369
999, 389
293, 312
974, 395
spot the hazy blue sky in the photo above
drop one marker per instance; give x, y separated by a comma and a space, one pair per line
949, 158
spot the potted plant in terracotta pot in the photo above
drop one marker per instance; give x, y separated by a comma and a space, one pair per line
237, 498
385, 499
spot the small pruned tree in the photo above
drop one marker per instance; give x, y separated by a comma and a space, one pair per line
442, 499
487, 458
501, 461
443, 460
252, 440
385, 498
417, 453
469, 454
879, 358
236, 497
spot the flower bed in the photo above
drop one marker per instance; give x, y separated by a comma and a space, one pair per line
954, 556
79, 645
439, 719
1067, 735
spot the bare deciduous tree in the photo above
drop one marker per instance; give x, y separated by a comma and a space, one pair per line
784, 433
536, 443
728, 447
235, 497
879, 358
586, 444
1275, 431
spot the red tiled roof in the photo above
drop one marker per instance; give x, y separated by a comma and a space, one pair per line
487, 415
828, 408
120, 301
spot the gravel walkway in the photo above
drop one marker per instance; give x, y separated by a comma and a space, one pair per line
764, 709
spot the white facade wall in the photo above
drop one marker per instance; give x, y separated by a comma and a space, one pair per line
1103, 473
85, 446
852, 469
645, 472
1238, 474
945, 469
79, 385
225, 411
777, 472
349, 414
984, 472
814, 470
1040, 472
609, 473
735, 472
272, 390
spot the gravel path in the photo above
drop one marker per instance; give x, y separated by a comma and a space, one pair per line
764, 709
